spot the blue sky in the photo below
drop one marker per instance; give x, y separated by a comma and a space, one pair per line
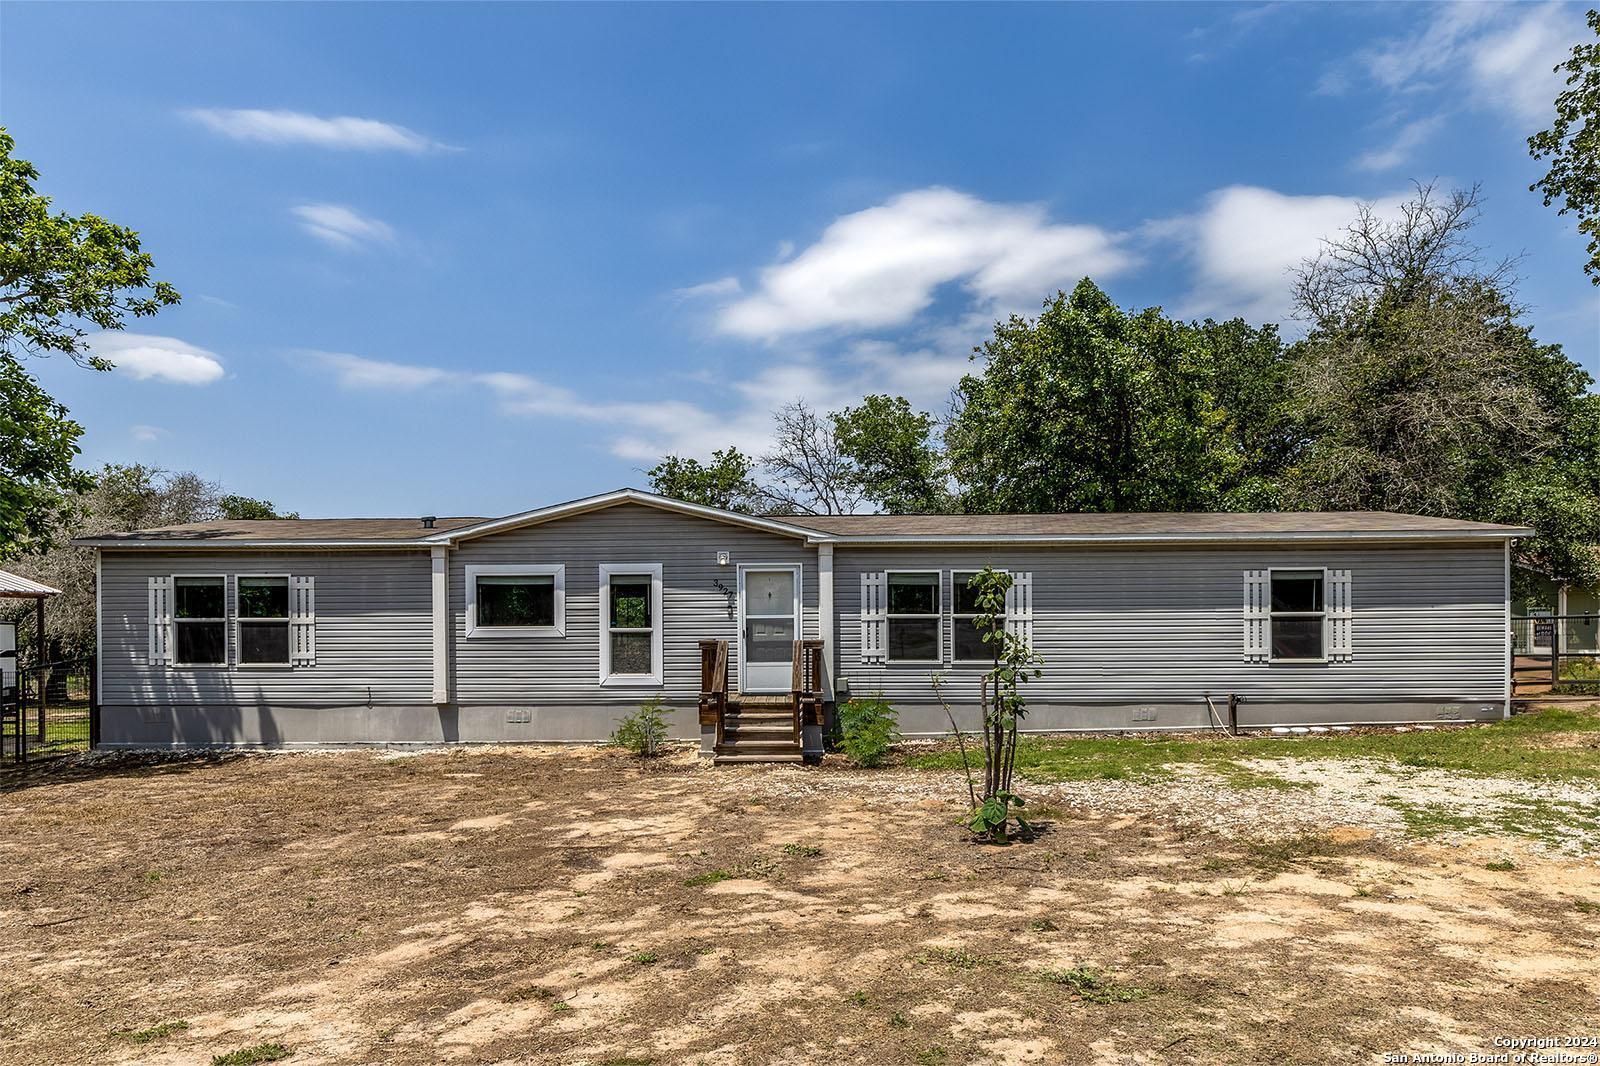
471, 259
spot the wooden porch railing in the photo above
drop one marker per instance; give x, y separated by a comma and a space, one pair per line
713, 684
805, 686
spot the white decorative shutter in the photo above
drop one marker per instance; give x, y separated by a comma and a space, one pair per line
303, 621
160, 621
1019, 608
1340, 647
1257, 604
874, 617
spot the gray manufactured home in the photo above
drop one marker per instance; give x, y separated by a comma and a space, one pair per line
552, 624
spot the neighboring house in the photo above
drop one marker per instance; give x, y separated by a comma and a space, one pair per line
1555, 612
552, 624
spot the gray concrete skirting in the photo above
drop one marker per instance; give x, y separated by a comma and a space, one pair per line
425, 724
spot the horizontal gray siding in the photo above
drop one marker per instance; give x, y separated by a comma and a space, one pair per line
565, 670
1164, 625
374, 631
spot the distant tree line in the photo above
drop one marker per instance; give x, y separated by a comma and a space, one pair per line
116, 499
1417, 387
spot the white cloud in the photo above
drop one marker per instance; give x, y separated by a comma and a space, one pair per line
148, 434
342, 227
644, 430
144, 357
1513, 70
1245, 243
728, 286
882, 266
1492, 56
297, 127
358, 372
1400, 148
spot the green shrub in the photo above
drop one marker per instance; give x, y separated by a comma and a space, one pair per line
644, 731
867, 731
249, 1056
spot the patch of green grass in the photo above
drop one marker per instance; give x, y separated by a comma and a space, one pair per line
898, 1020
802, 851
932, 1056
246, 1056
1043, 925
960, 958
1500, 865
1280, 854
560, 1005
1547, 821
1583, 906
1092, 985
710, 877
1526, 746
155, 1032
857, 998
644, 958
627, 1062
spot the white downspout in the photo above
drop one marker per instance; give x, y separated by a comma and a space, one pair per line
1509, 650
441, 625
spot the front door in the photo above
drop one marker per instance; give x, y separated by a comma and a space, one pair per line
769, 620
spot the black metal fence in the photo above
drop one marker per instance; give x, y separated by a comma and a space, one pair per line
50, 709
1551, 650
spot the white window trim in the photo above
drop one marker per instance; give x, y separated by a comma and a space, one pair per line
798, 615
559, 572
607, 678
954, 616
176, 621
889, 616
287, 620
1322, 614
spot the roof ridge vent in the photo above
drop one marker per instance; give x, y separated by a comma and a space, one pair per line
428, 520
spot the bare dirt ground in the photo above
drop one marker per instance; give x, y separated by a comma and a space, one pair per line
581, 907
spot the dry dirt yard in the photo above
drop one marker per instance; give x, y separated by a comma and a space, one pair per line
578, 906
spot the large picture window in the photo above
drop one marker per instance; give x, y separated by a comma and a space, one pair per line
262, 608
513, 601
199, 620
630, 624
914, 615
1299, 616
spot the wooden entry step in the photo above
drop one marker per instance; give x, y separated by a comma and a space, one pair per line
766, 734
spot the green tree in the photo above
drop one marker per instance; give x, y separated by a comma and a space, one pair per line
38, 444
1012, 663
1572, 144
725, 482
114, 500
243, 507
1092, 408
1421, 389
60, 272
892, 454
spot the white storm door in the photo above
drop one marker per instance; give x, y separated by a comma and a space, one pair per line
769, 622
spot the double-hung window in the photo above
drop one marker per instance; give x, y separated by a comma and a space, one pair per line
199, 620
630, 624
915, 616
967, 638
1298, 616
261, 605
516, 601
